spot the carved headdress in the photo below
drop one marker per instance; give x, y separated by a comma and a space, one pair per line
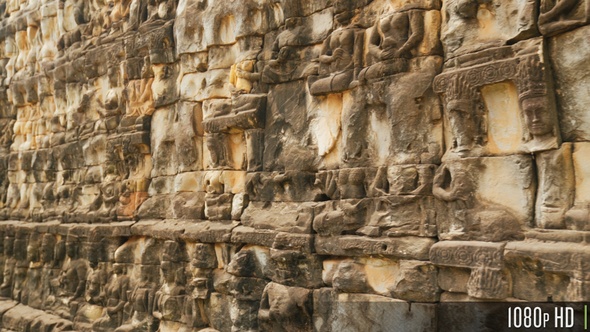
171, 252
531, 79
459, 94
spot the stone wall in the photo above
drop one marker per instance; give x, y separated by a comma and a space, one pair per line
282, 165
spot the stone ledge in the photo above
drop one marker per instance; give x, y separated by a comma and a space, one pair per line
19, 317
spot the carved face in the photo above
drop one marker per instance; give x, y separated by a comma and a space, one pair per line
168, 271
462, 125
204, 256
537, 117
46, 252
8, 246
93, 286
20, 249
71, 249
33, 252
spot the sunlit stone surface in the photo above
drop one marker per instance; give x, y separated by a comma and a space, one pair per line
290, 165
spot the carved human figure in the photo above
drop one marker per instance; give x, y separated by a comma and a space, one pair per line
30, 293
390, 44
463, 115
94, 294
9, 264
282, 62
120, 11
6, 136
351, 183
454, 185
80, 110
554, 16
283, 262
74, 272
243, 76
462, 21
541, 131
59, 256
285, 308
461, 120
109, 196
140, 92
218, 151
11, 52
539, 120
161, 9
35, 41
30, 129
50, 270
457, 184
114, 99
337, 62
2, 258
21, 265
203, 262
247, 95
169, 300
116, 292
23, 49
140, 304
217, 202
49, 34
89, 310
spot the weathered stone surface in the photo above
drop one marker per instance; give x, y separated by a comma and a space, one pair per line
162, 229
468, 254
474, 315
350, 245
506, 87
21, 318
290, 241
562, 278
568, 54
487, 278
250, 261
335, 312
279, 216
276, 308
453, 279
577, 217
555, 18
291, 165
392, 216
556, 186
263, 237
480, 201
281, 187
383, 277
210, 231
471, 26
293, 268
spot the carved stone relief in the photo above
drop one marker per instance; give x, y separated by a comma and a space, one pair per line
256, 165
